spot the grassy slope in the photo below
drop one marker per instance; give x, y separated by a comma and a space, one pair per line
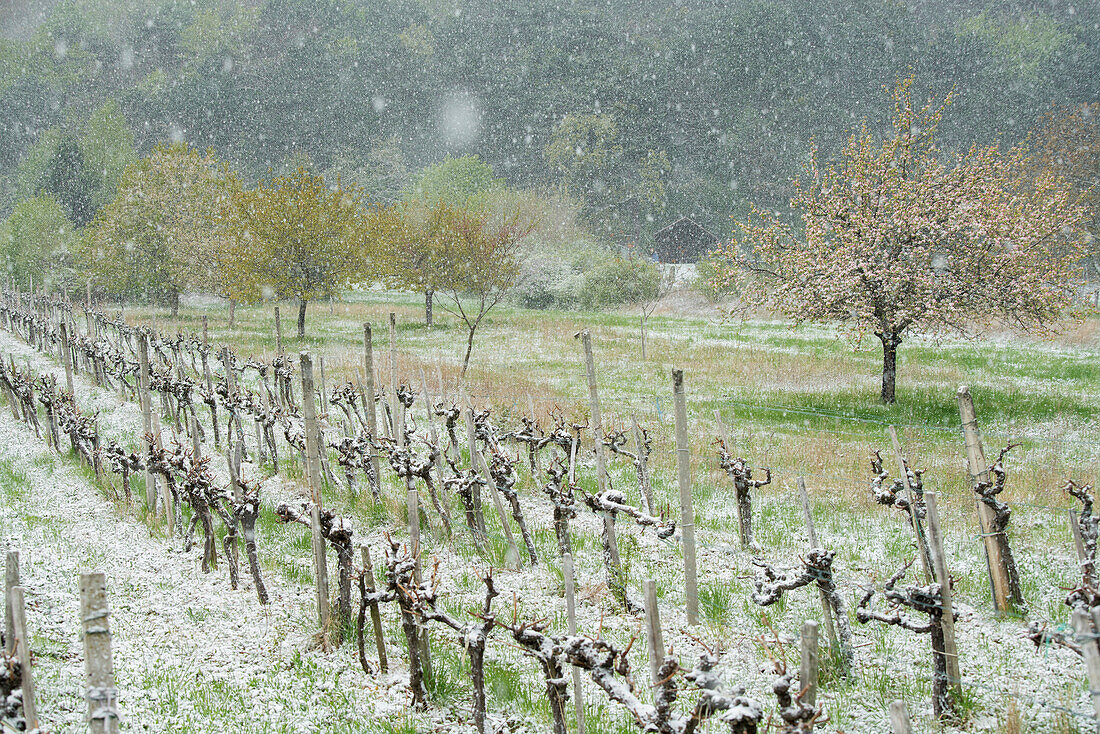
797, 399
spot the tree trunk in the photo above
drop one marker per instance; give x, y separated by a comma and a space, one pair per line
469, 348
302, 318
429, 296
232, 312
174, 302
890, 341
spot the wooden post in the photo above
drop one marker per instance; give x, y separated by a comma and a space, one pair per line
146, 415
368, 400
23, 650
278, 333
375, 617
323, 408
1086, 638
1006, 595
639, 448
571, 621
943, 578
654, 641
899, 718
826, 608
807, 676
398, 408
471, 441
102, 696
538, 455
687, 511
413, 506
618, 579
67, 355
918, 527
11, 580
313, 479
1078, 541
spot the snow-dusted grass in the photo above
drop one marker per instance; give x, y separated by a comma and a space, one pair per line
216, 661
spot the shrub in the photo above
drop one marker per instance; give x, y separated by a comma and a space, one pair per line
620, 280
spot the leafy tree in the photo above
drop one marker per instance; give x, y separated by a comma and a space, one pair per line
895, 238
173, 227
587, 154
1067, 144
38, 242
306, 240
469, 255
453, 183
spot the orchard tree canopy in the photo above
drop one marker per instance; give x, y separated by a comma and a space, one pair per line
173, 226
304, 240
897, 237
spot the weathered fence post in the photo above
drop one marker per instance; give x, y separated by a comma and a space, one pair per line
369, 408
943, 578
398, 408
101, 695
22, 640
375, 617
899, 718
811, 534
918, 528
571, 621
617, 582
654, 640
687, 511
278, 333
807, 675
146, 416
413, 507
1006, 593
67, 355
1086, 637
313, 479
11, 580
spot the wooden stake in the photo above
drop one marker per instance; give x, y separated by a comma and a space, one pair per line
375, 617
413, 506
23, 651
1078, 541
101, 695
313, 478
826, 608
67, 356
943, 578
618, 580
11, 580
471, 442
687, 511
146, 415
807, 676
1086, 637
918, 528
571, 620
278, 333
398, 408
899, 718
655, 642
368, 400
1006, 595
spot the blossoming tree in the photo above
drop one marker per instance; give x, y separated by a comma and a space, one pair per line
897, 236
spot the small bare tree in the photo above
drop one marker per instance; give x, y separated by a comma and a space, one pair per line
743, 484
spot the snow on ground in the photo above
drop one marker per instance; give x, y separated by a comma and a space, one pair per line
193, 655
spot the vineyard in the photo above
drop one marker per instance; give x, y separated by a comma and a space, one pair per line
350, 538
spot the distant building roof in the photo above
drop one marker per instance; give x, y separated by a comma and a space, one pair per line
683, 241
